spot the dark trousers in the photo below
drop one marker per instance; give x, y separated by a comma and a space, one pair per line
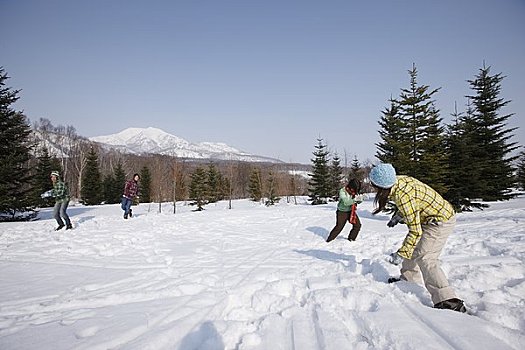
60, 211
341, 218
125, 205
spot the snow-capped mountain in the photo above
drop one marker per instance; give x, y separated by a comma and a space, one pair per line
156, 141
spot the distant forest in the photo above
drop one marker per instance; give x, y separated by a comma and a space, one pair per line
471, 161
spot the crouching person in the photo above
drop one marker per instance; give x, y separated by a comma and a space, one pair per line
430, 220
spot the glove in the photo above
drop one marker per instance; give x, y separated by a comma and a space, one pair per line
47, 194
396, 219
395, 259
359, 198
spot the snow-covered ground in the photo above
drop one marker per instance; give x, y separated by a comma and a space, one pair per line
252, 277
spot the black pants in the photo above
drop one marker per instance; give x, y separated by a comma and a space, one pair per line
341, 220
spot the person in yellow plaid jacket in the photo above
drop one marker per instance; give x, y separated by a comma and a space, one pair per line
430, 220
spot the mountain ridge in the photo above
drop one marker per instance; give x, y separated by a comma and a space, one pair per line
153, 140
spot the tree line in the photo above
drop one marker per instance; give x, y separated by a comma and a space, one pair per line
470, 160
475, 147
96, 175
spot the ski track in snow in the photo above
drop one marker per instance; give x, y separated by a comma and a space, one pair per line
252, 278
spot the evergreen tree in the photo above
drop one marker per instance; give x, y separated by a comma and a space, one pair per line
423, 132
15, 147
145, 185
199, 188
456, 147
91, 193
224, 187
521, 171
336, 176
255, 185
113, 185
119, 177
319, 183
355, 170
433, 161
41, 178
108, 189
394, 147
214, 191
460, 163
490, 138
271, 192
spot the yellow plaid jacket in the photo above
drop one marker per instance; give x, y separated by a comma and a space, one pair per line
419, 204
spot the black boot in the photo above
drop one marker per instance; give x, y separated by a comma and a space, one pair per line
130, 213
69, 227
59, 227
454, 304
394, 279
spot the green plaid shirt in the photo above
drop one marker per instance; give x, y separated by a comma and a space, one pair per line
419, 204
60, 191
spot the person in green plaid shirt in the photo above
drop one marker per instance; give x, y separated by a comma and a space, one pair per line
60, 192
430, 220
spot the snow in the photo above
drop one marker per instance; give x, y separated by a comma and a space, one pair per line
252, 277
154, 140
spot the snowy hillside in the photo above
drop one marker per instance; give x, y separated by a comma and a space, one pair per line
253, 277
153, 140
57, 145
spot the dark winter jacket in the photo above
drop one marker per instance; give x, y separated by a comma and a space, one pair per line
131, 189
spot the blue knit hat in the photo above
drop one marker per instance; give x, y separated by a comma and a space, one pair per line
383, 175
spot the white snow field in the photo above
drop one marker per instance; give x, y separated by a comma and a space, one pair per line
252, 277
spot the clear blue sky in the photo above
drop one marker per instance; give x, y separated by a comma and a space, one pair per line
267, 77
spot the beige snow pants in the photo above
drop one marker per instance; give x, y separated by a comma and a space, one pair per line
425, 261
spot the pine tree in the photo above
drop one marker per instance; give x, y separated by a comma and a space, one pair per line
422, 127
319, 184
15, 147
271, 190
433, 161
119, 177
255, 185
113, 185
214, 191
456, 147
394, 147
356, 172
91, 193
145, 185
108, 189
199, 188
224, 187
521, 171
490, 138
336, 176
41, 180
460, 162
